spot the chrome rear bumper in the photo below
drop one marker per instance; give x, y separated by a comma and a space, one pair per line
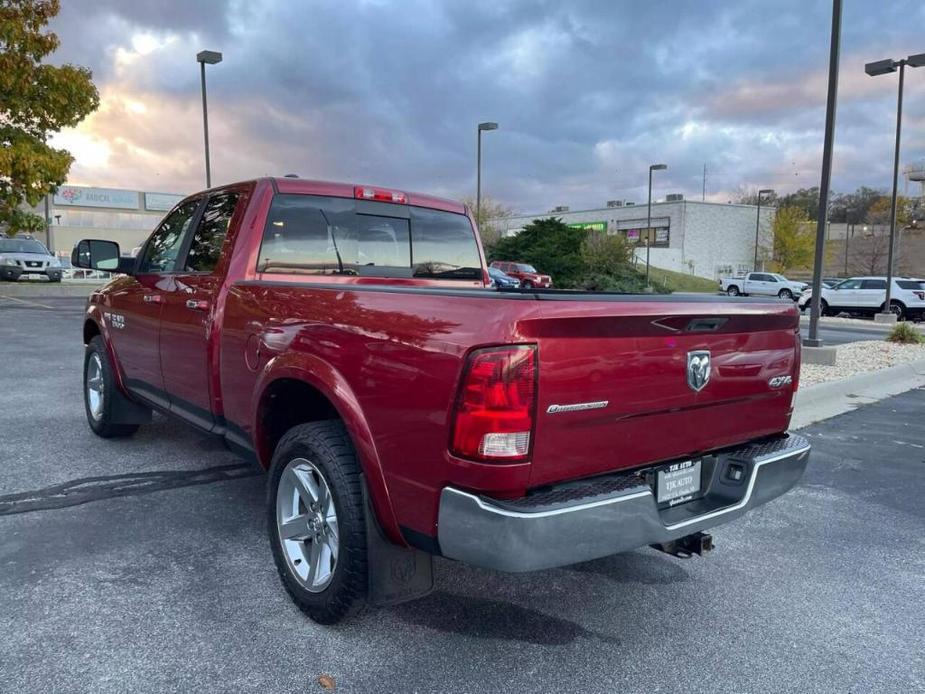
596, 518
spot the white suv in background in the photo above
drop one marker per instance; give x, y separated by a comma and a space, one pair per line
866, 295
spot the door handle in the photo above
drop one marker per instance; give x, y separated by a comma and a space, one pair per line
152, 298
194, 305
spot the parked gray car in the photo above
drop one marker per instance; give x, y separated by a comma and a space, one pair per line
24, 256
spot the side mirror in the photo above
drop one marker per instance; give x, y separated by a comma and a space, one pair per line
93, 254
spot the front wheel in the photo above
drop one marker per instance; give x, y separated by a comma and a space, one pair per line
316, 521
785, 294
528, 284
100, 393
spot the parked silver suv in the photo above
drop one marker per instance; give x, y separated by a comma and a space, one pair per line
24, 256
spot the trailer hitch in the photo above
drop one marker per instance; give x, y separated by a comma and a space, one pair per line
687, 546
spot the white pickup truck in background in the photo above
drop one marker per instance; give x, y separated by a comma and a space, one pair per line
762, 284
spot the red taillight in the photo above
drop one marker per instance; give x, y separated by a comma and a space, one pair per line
496, 405
380, 194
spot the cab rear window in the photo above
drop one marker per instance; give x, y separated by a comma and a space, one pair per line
317, 235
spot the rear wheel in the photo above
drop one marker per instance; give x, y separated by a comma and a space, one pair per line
732, 290
898, 309
316, 521
785, 294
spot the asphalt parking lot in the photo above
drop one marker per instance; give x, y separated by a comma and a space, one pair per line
142, 565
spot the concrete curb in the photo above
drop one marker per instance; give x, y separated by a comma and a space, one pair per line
38, 290
825, 400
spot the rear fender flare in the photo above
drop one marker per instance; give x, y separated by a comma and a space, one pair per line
322, 376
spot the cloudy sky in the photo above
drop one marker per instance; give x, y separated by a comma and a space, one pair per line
587, 93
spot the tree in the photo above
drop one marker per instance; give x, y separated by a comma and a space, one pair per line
487, 219
609, 254
36, 100
550, 245
794, 241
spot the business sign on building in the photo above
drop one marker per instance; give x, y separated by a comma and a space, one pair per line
83, 196
589, 226
161, 201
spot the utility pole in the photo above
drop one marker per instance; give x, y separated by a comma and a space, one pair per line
828, 144
703, 195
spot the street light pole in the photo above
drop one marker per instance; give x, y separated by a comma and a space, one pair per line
822, 217
649, 239
883, 67
212, 58
765, 191
478, 169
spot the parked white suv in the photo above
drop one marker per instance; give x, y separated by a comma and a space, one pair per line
762, 283
866, 295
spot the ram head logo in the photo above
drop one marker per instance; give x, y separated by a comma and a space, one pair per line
698, 369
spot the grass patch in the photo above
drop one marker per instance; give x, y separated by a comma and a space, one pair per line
682, 282
905, 334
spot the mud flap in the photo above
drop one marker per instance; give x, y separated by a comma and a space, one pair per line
396, 574
126, 411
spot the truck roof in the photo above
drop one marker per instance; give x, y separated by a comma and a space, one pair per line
305, 186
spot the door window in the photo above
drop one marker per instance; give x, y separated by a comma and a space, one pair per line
163, 248
848, 284
873, 284
206, 246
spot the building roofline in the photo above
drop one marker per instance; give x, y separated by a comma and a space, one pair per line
638, 207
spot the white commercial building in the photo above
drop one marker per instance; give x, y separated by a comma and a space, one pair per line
699, 238
125, 216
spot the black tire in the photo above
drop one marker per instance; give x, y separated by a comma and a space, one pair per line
785, 294
328, 447
732, 290
896, 307
824, 308
528, 284
55, 279
101, 422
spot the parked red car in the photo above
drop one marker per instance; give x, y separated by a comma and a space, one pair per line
527, 274
346, 338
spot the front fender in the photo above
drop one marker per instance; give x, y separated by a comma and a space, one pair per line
319, 374
94, 314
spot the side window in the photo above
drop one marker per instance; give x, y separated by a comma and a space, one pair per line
443, 245
209, 237
849, 284
163, 247
873, 284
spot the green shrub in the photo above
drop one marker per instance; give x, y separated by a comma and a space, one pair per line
906, 334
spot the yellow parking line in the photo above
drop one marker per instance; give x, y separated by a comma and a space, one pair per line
23, 301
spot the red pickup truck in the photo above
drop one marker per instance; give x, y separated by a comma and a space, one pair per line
346, 337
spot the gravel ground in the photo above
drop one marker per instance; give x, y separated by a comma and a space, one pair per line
861, 357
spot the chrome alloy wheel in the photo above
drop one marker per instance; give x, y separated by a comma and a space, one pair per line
306, 521
94, 386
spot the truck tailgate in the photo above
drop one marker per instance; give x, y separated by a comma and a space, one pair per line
627, 380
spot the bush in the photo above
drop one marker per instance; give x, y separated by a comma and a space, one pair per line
628, 280
549, 245
905, 334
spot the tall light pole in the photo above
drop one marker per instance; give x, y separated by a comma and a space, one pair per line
763, 191
883, 67
828, 145
212, 58
654, 167
478, 169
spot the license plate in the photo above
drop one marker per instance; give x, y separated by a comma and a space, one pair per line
678, 482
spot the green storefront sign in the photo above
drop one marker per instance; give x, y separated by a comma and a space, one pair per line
589, 226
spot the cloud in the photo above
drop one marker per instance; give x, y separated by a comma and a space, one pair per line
587, 94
